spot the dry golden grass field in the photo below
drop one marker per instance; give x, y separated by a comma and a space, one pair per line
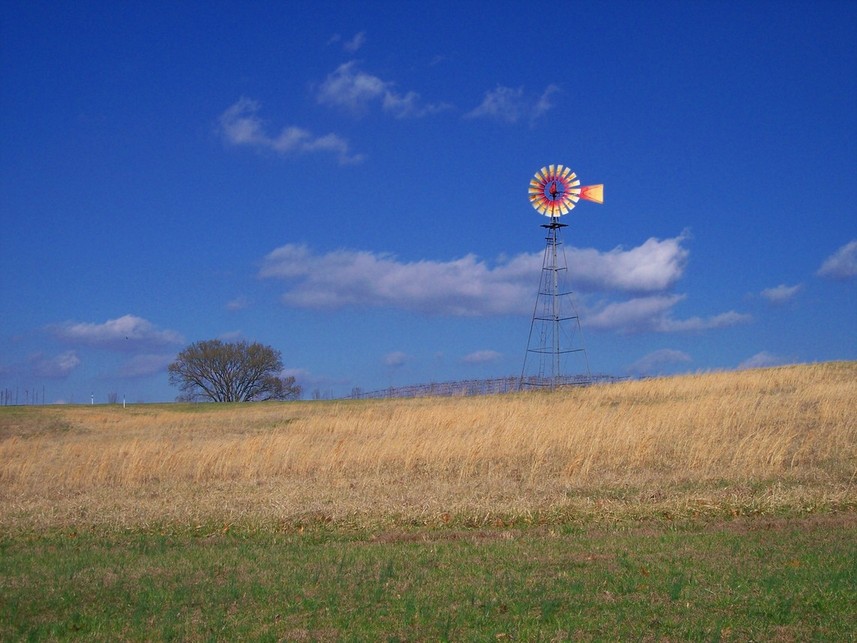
719, 444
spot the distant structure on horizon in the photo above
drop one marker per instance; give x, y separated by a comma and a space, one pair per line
466, 388
555, 332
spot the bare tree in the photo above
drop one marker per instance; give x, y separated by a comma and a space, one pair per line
231, 372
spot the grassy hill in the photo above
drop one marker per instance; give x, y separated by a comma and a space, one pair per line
726, 443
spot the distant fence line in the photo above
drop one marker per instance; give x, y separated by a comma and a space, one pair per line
495, 386
30, 396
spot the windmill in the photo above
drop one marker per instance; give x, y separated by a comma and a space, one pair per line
555, 334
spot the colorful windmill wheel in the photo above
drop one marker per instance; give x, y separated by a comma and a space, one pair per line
555, 190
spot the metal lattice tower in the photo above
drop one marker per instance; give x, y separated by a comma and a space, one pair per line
555, 351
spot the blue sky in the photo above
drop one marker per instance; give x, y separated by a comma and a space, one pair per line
346, 182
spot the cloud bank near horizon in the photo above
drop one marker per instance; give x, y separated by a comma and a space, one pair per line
627, 290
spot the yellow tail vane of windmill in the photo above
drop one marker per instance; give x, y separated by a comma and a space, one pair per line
593, 193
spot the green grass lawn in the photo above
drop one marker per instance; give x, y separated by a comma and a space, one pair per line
752, 578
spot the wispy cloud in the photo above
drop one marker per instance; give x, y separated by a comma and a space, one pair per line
482, 357
355, 43
666, 324
240, 126
637, 314
655, 362
842, 264
145, 365
469, 286
655, 314
762, 360
41, 366
239, 303
781, 294
355, 90
55, 367
509, 105
351, 88
352, 44
128, 332
544, 103
396, 359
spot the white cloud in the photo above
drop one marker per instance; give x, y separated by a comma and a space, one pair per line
239, 303
396, 359
355, 43
544, 103
41, 366
654, 313
637, 314
482, 357
655, 265
723, 320
351, 88
125, 333
145, 365
469, 286
410, 105
781, 294
842, 264
355, 90
503, 104
341, 278
761, 360
509, 105
655, 361
57, 366
464, 286
240, 126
